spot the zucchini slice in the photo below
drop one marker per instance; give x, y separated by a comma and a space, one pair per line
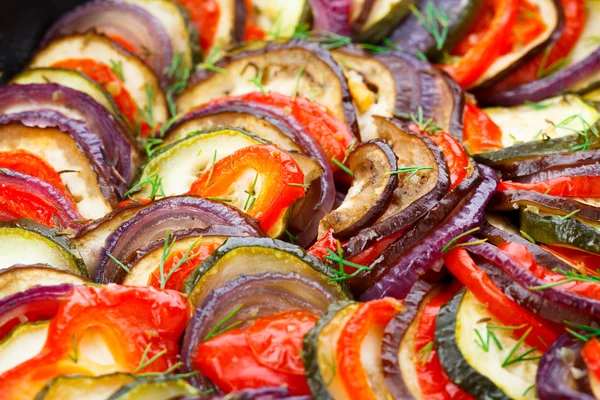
63, 153
138, 78
476, 365
163, 388
253, 256
180, 164
293, 67
71, 79
553, 118
25, 242
279, 19
569, 232
182, 33
375, 19
23, 343
319, 350
20, 278
75, 387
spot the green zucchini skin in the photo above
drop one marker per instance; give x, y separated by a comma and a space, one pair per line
457, 368
553, 230
310, 352
51, 234
49, 392
267, 243
171, 386
194, 41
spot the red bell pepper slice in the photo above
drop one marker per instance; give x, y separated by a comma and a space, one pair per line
481, 134
524, 258
433, 381
591, 355
566, 186
238, 359
348, 354
281, 182
175, 282
333, 135
253, 31
485, 47
16, 203
574, 21
103, 75
462, 266
321, 246
582, 260
205, 15
138, 325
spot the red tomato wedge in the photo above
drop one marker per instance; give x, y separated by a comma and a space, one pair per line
16, 203
591, 356
433, 381
280, 182
333, 135
205, 15
481, 134
348, 355
103, 75
462, 266
239, 359
135, 323
567, 186
487, 41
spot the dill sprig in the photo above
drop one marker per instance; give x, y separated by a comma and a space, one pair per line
152, 145
212, 58
117, 68
119, 263
435, 22
537, 105
569, 215
251, 194
485, 344
339, 259
216, 330
570, 276
167, 248
180, 76
297, 85
452, 244
75, 356
412, 171
342, 167
509, 360
147, 113
526, 236
424, 355
593, 332
257, 81
145, 362
155, 182
422, 124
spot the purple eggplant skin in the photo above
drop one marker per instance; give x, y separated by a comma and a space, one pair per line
392, 338
240, 21
47, 298
544, 88
305, 223
528, 280
419, 207
534, 165
552, 173
346, 111
87, 142
376, 170
115, 139
397, 279
261, 295
331, 16
416, 233
511, 200
172, 214
554, 378
65, 213
136, 24
265, 393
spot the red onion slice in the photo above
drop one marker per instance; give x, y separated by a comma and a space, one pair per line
331, 16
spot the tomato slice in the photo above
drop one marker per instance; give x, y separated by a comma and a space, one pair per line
278, 176
22, 204
486, 41
260, 356
574, 21
198, 254
591, 356
348, 354
567, 186
333, 135
103, 75
462, 266
276, 340
253, 31
205, 15
124, 43
524, 258
135, 323
433, 381
481, 134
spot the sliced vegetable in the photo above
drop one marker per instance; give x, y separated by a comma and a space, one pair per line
279, 20
331, 16
20, 278
161, 388
276, 67
374, 168
481, 135
520, 168
23, 343
273, 182
73, 387
377, 18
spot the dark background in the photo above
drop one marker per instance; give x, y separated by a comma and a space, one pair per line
22, 25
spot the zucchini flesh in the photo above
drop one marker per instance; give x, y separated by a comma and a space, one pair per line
278, 19
163, 388
527, 123
71, 79
452, 360
75, 387
23, 246
383, 16
23, 343
515, 379
586, 44
20, 278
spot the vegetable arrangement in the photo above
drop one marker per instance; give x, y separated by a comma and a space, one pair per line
215, 199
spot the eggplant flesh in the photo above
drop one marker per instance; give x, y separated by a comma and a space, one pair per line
373, 165
20, 278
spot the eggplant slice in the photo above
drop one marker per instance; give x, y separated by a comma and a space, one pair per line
139, 80
374, 166
279, 66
